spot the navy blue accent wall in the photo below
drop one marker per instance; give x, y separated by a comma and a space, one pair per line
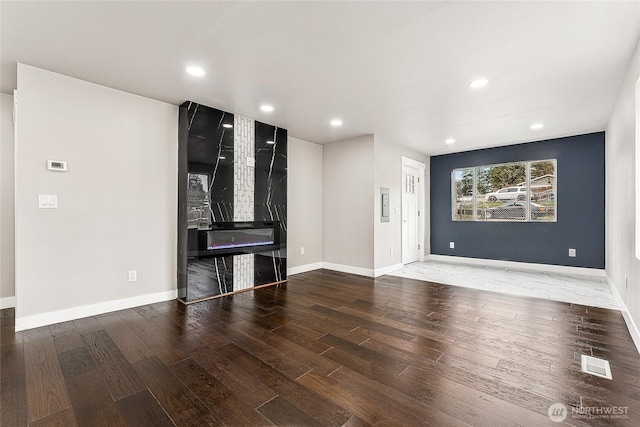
580, 206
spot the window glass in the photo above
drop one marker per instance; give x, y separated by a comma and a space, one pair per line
498, 186
543, 191
521, 191
409, 184
199, 214
463, 195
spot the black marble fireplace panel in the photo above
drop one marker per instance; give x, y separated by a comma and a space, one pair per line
270, 267
271, 176
210, 244
210, 161
209, 277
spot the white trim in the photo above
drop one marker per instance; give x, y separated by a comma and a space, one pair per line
344, 269
631, 325
386, 270
29, 322
304, 268
616, 295
633, 328
16, 217
7, 302
637, 168
562, 269
348, 269
408, 161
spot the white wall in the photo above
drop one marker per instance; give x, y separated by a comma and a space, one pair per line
354, 238
304, 204
620, 194
388, 173
117, 203
7, 270
348, 200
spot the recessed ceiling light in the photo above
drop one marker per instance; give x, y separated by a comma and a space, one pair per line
478, 83
537, 126
195, 71
227, 125
271, 142
266, 108
222, 157
449, 141
336, 122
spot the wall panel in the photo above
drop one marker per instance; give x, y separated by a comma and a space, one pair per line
580, 207
236, 172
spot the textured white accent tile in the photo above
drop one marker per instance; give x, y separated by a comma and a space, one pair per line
584, 290
244, 176
243, 272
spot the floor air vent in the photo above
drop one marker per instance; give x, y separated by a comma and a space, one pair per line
594, 366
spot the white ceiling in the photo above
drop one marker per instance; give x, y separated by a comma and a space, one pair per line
397, 69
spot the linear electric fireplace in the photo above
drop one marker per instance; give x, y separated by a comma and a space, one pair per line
234, 238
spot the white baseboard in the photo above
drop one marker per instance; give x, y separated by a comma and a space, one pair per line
7, 302
548, 268
631, 325
304, 268
348, 269
35, 321
386, 270
343, 269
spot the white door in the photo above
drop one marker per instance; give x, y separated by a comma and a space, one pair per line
410, 216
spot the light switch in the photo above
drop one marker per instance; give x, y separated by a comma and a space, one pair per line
47, 201
251, 162
57, 165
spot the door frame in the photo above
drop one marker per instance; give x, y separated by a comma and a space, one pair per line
420, 191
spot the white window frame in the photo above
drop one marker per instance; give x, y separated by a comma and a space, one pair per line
527, 183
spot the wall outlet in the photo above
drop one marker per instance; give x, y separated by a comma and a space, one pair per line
302, 250
452, 245
47, 201
133, 275
572, 252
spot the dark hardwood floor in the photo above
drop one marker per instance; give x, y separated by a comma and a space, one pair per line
325, 349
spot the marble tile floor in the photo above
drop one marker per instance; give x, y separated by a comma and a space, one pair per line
577, 289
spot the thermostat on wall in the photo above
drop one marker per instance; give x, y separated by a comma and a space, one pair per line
57, 165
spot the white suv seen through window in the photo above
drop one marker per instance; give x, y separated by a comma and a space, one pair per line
507, 193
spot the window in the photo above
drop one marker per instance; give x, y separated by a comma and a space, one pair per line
198, 201
523, 191
409, 184
463, 193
